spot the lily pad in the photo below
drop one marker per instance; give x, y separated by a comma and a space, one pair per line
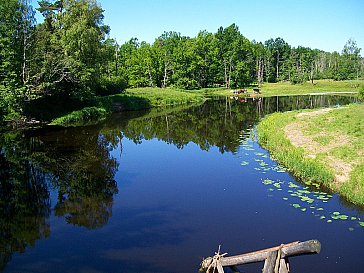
277, 185
267, 182
336, 213
292, 185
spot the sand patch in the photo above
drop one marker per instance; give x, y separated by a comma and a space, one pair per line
294, 133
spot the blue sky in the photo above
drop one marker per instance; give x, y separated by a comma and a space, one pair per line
322, 24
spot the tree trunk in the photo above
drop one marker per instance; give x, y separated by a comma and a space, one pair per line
277, 68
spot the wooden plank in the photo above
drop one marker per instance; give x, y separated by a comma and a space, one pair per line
284, 266
270, 262
287, 250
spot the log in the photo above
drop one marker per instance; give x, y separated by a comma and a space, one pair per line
270, 262
287, 250
284, 266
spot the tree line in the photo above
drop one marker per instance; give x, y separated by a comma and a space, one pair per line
71, 57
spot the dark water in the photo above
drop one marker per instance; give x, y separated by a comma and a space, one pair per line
157, 191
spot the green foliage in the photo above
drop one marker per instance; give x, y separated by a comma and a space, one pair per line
361, 93
112, 85
186, 83
68, 56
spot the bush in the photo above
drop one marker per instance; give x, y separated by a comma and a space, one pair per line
361, 93
186, 83
111, 86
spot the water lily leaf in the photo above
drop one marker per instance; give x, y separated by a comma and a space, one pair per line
336, 213
292, 185
343, 217
322, 217
244, 163
267, 182
329, 221
361, 223
285, 198
296, 205
277, 185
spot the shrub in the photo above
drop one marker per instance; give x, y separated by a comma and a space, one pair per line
186, 83
110, 86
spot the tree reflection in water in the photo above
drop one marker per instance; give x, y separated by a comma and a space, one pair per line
77, 164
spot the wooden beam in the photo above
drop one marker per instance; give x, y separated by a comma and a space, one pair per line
270, 262
287, 250
284, 266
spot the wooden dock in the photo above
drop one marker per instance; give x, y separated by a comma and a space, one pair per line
275, 258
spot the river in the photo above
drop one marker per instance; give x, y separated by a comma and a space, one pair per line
158, 190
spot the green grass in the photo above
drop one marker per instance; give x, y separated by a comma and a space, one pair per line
166, 97
86, 116
341, 125
131, 99
143, 98
286, 88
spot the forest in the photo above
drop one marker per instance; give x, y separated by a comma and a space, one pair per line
70, 58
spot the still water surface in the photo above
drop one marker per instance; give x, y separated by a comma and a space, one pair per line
156, 191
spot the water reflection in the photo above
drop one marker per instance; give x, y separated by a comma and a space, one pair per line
218, 122
78, 163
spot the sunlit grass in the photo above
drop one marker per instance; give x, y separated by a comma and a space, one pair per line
287, 88
82, 117
344, 125
165, 96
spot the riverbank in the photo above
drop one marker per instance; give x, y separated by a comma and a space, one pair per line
324, 146
289, 89
144, 98
130, 100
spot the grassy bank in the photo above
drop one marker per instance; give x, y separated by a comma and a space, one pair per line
286, 88
143, 98
324, 146
130, 100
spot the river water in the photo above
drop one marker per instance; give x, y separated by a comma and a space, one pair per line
158, 190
